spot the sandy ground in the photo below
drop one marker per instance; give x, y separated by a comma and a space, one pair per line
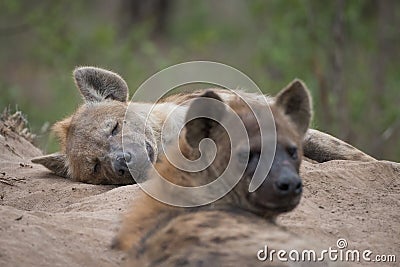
50, 221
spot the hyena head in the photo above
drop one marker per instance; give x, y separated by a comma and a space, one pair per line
91, 139
281, 190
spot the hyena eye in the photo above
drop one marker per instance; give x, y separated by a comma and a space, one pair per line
292, 151
96, 167
150, 151
244, 157
115, 129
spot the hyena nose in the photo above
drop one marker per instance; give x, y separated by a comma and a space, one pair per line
121, 160
289, 184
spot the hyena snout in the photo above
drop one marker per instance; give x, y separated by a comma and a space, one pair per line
130, 162
282, 188
120, 163
288, 183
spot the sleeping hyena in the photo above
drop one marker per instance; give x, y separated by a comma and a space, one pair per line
91, 146
234, 229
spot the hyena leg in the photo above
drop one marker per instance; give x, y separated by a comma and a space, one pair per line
322, 147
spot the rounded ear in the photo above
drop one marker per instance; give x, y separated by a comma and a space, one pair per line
56, 162
97, 84
295, 101
202, 117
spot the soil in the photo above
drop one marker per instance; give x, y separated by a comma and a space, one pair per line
50, 221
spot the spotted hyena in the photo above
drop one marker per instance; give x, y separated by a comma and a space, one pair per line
91, 139
232, 230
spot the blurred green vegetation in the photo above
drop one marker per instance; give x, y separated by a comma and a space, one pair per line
347, 52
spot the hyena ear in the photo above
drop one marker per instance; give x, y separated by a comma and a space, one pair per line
202, 117
55, 162
295, 100
97, 84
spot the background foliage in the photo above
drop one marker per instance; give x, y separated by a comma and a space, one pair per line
348, 53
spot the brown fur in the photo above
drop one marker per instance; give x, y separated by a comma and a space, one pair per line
228, 232
85, 136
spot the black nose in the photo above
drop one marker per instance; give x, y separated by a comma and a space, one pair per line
121, 160
289, 184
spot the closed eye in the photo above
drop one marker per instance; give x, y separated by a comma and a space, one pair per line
115, 129
244, 157
251, 160
96, 167
292, 151
150, 151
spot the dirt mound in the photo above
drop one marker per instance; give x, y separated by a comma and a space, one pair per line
49, 221
352, 200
